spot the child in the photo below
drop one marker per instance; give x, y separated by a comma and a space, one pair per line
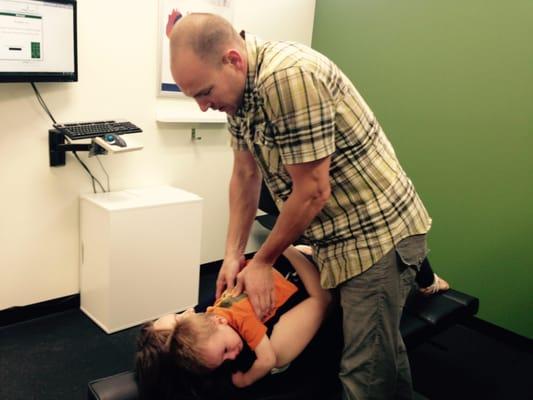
201, 342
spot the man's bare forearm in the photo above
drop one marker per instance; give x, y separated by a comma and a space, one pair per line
243, 200
310, 192
297, 213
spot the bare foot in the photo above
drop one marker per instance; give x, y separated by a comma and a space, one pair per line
443, 285
438, 285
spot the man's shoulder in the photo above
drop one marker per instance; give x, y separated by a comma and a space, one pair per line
275, 57
285, 62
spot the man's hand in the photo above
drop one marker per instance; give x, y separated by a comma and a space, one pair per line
256, 279
228, 273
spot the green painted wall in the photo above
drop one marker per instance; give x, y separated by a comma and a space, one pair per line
452, 84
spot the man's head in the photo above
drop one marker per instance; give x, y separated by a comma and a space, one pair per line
208, 61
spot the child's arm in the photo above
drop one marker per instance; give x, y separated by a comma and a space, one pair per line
265, 361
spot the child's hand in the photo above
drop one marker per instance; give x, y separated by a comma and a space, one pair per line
240, 380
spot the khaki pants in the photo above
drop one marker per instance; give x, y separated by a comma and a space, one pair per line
374, 362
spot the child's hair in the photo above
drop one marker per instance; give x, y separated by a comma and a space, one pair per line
167, 359
180, 346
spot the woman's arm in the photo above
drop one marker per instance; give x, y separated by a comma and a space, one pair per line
265, 361
295, 329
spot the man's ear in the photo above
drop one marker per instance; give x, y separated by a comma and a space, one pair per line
233, 57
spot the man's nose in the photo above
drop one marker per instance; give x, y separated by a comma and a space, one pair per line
204, 105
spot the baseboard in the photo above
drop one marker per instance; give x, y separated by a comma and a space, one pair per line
15, 315
497, 332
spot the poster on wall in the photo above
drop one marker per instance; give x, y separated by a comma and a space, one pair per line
170, 12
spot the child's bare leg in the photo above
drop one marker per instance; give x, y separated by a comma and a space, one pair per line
298, 326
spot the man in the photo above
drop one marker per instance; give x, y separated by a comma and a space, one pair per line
298, 123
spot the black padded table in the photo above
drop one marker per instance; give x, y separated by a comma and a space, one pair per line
313, 374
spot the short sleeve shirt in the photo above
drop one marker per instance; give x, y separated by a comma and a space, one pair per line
299, 107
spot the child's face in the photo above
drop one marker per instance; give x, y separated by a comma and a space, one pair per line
224, 344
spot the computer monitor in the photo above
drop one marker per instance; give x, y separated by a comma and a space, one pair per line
38, 41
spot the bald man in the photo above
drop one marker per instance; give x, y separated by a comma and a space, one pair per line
297, 122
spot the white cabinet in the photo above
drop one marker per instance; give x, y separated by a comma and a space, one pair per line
139, 255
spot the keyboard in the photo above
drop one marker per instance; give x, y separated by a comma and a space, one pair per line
82, 130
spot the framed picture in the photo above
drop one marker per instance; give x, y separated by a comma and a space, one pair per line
170, 12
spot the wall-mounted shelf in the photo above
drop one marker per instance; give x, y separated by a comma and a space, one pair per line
186, 111
209, 117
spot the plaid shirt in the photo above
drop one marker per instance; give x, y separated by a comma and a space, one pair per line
299, 107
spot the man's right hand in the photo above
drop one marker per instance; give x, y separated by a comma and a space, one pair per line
257, 280
228, 274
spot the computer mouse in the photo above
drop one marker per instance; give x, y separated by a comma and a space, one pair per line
115, 139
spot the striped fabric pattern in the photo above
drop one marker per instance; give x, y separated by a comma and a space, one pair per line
299, 107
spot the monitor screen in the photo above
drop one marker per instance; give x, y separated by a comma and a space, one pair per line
38, 41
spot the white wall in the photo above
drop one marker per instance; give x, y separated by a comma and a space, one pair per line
117, 50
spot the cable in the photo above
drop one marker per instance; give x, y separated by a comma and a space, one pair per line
41, 102
89, 172
103, 169
93, 178
86, 168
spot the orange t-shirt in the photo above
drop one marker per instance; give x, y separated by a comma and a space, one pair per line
240, 315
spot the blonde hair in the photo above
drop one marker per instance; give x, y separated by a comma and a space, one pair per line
206, 35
